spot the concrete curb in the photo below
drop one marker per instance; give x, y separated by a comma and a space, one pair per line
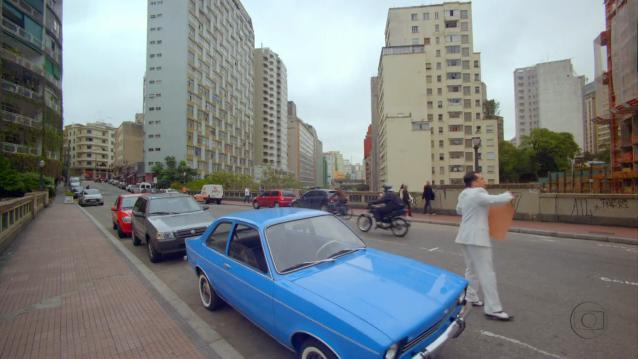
210, 336
583, 236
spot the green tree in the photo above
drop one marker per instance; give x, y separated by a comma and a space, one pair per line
515, 165
274, 179
171, 172
492, 108
550, 151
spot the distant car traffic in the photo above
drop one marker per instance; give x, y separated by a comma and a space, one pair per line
306, 279
164, 220
315, 199
77, 190
210, 193
121, 214
91, 197
275, 198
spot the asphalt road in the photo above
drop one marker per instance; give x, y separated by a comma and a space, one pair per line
559, 290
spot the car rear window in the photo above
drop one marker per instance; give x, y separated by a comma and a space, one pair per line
288, 194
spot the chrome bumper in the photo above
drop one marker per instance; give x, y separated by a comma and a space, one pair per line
454, 330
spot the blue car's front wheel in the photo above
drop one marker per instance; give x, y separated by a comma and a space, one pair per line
314, 349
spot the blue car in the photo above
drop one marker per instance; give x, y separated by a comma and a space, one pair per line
306, 279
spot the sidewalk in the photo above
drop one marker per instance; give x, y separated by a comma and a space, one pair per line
624, 235
66, 292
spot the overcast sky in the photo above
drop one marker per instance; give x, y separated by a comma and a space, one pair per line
330, 48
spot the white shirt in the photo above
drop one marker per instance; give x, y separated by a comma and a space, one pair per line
246, 192
473, 205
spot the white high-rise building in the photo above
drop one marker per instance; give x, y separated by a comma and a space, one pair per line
549, 95
199, 85
428, 100
271, 110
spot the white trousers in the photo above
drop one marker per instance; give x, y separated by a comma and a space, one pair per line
479, 271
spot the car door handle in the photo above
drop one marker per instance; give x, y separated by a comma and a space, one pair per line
226, 266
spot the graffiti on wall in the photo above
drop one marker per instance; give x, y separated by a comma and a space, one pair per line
583, 208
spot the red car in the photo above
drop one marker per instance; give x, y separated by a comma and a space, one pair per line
121, 214
275, 198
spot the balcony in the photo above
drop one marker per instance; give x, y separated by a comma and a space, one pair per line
22, 61
53, 155
53, 105
20, 33
15, 148
27, 9
21, 119
20, 90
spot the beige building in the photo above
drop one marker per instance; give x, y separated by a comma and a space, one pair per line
271, 108
90, 149
129, 150
304, 148
199, 85
601, 97
429, 101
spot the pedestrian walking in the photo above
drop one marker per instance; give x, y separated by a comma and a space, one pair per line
407, 199
473, 236
246, 195
428, 197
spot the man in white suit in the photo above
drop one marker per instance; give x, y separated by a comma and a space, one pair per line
474, 238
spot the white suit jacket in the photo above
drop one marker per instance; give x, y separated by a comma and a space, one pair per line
473, 205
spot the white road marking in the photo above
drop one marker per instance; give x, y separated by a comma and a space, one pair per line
433, 249
490, 334
618, 281
625, 248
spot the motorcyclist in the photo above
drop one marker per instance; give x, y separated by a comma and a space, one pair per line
386, 204
340, 198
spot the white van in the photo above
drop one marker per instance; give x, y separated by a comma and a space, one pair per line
145, 187
211, 193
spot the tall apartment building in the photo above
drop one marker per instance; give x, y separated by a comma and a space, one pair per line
429, 100
319, 164
335, 167
303, 149
90, 149
549, 95
199, 85
601, 103
367, 157
128, 162
31, 127
375, 186
589, 120
271, 110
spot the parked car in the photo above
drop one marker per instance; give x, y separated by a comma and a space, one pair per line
310, 282
275, 198
134, 188
315, 199
211, 193
121, 214
77, 190
164, 220
91, 196
145, 187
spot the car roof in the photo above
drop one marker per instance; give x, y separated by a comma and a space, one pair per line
164, 195
267, 217
131, 195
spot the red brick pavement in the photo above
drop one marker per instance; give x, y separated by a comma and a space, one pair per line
65, 292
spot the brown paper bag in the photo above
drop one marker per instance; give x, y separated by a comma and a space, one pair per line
500, 220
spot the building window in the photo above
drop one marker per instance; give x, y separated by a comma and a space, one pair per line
415, 29
429, 91
436, 28
464, 14
426, 16
414, 17
441, 157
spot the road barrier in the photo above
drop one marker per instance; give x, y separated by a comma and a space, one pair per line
16, 213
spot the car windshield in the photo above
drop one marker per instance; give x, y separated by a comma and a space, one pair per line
128, 202
92, 191
173, 205
309, 241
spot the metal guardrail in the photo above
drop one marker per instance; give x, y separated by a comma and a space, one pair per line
16, 213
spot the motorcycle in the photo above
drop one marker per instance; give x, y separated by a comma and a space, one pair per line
392, 221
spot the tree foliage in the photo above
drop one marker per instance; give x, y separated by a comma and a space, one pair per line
541, 152
492, 108
274, 179
16, 184
171, 172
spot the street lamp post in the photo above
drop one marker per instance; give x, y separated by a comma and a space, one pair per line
41, 165
476, 143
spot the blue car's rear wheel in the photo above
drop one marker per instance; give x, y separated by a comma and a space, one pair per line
207, 294
314, 349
